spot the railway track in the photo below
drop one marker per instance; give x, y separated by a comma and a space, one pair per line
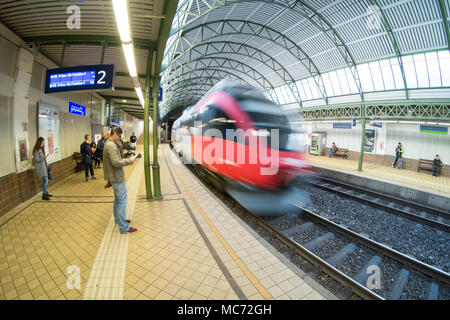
425, 215
364, 282
369, 280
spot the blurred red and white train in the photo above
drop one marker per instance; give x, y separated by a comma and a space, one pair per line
242, 143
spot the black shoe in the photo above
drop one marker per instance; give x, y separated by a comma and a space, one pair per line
49, 195
45, 197
93, 178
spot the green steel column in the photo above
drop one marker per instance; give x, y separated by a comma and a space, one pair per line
363, 136
63, 53
148, 181
156, 176
104, 46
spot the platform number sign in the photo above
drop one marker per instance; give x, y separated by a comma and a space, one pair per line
98, 77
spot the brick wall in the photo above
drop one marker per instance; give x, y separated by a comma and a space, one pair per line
385, 160
16, 188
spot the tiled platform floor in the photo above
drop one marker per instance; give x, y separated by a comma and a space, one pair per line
407, 178
189, 246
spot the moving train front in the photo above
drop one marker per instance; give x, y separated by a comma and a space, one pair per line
242, 143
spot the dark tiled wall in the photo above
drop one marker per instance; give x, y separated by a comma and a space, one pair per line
16, 188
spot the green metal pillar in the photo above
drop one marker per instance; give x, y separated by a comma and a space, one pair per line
64, 43
148, 181
156, 176
363, 136
104, 46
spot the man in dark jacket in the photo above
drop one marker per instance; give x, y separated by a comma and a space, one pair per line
86, 151
437, 166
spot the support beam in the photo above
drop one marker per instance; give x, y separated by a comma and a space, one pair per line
155, 167
104, 46
63, 53
363, 136
88, 40
148, 183
445, 18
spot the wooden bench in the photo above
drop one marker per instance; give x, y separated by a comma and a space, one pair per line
341, 153
78, 157
426, 166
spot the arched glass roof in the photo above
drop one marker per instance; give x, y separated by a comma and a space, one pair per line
308, 52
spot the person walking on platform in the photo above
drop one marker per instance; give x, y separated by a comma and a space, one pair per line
100, 146
133, 140
40, 163
398, 156
437, 166
86, 151
113, 171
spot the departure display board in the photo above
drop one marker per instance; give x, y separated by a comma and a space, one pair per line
98, 77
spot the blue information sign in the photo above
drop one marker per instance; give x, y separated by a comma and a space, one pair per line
342, 125
98, 77
160, 96
77, 109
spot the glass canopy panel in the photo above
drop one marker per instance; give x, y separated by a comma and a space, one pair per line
376, 76
335, 83
343, 81
388, 77
305, 85
410, 72
444, 62
365, 76
351, 81
328, 86
434, 72
314, 89
397, 72
421, 70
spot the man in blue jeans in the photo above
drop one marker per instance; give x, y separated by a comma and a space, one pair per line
113, 171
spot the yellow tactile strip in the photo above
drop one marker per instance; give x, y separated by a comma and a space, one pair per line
407, 178
107, 277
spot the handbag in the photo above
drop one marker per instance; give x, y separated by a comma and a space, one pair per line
49, 172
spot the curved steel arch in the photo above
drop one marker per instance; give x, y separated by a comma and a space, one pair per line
388, 29
257, 30
239, 63
206, 70
313, 16
284, 72
192, 80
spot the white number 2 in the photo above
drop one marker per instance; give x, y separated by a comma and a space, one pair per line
101, 81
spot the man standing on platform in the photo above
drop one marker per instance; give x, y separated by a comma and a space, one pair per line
398, 156
113, 171
86, 151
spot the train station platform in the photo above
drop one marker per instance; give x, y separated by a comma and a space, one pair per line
188, 245
424, 183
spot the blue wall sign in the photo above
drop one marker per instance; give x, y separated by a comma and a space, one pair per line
77, 109
160, 96
433, 129
342, 125
98, 77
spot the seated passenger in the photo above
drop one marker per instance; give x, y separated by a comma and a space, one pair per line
333, 149
437, 166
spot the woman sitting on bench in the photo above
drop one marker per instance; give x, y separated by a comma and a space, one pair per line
437, 166
333, 149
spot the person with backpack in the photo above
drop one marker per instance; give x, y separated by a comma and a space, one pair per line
41, 166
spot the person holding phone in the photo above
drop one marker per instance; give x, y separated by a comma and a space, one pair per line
40, 163
113, 164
